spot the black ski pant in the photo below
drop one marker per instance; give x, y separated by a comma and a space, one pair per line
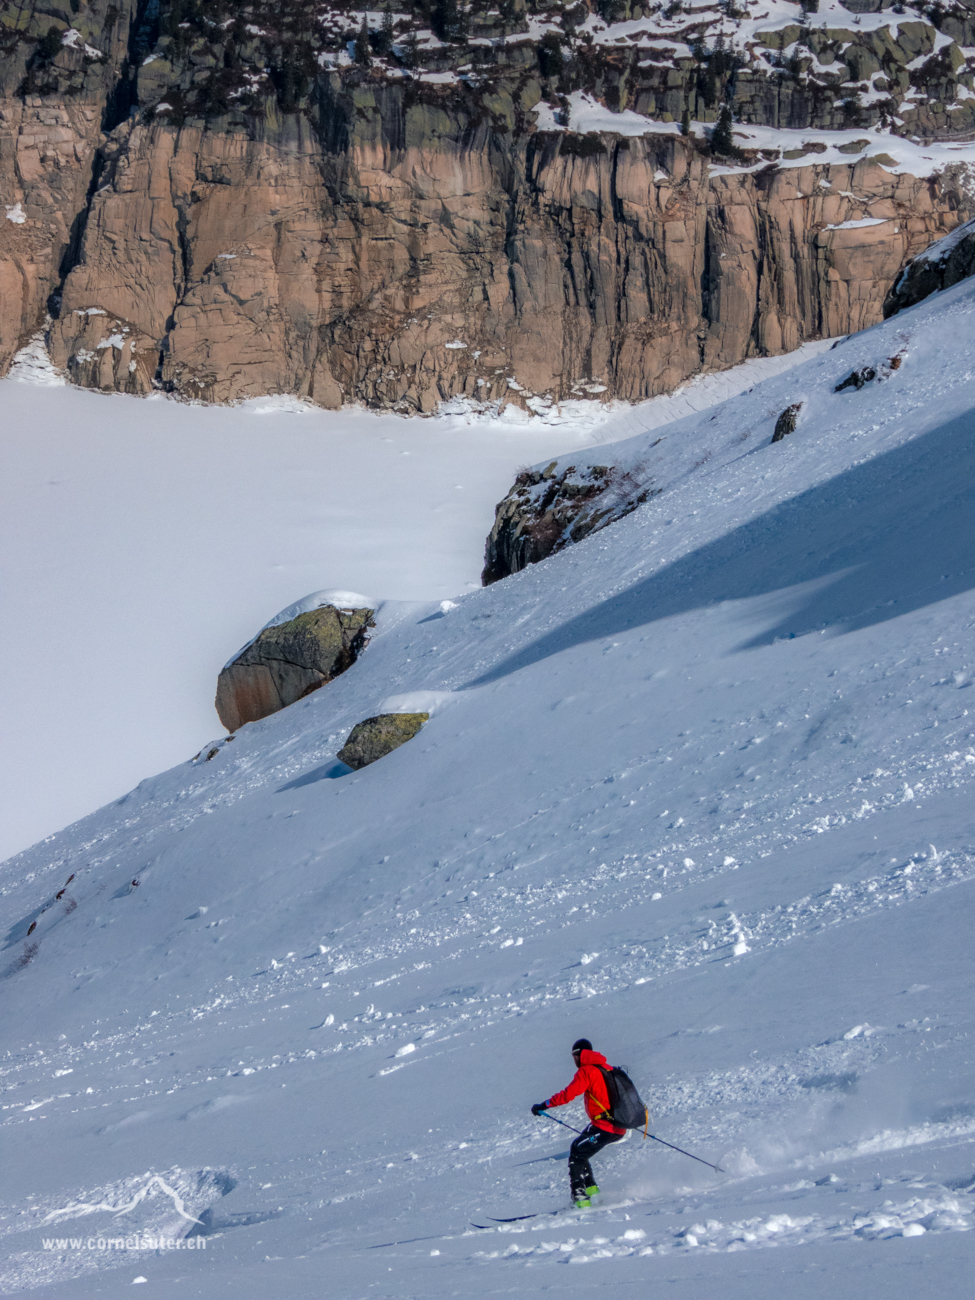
585, 1146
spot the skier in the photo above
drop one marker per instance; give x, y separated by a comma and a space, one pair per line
601, 1131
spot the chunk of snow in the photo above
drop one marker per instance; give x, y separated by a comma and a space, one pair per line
416, 702
72, 40
860, 223
33, 365
338, 597
16, 214
277, 403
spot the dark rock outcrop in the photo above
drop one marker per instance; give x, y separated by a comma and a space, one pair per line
376, 737
287, 662
945, 263
786, 423
855, 379
546, 511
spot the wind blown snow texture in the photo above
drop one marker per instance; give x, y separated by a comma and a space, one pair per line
699, 788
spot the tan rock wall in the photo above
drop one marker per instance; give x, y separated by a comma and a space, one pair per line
227, 265
46, 157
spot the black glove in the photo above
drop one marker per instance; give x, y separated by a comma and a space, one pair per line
539, 1107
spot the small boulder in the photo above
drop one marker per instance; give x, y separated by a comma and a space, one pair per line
379, 736
857, 379
786, 423
288, 661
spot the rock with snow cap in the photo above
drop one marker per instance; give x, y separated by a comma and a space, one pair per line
946, 262
376, 737
289, 659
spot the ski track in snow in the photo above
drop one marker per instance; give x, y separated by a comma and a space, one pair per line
944, 1213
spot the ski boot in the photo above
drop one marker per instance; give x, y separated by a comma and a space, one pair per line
592, 1191
581, 1203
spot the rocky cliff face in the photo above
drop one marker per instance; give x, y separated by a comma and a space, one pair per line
216, 200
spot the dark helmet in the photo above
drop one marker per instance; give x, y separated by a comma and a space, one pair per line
581, 1045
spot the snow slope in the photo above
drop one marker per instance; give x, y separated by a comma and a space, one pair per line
159, 537
699, 788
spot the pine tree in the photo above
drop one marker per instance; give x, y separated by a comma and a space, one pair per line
411, 53
550, 55
449, 21
386, 32
722, 140
362, 52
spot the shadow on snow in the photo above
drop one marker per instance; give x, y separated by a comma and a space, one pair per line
880, 539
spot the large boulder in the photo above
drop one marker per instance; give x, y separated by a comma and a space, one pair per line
376, 737
945, 263
549, 509
288, 660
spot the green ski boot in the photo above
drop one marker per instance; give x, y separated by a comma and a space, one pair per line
592, 1191
582, 1203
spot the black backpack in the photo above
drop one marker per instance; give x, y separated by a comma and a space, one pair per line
626, 1110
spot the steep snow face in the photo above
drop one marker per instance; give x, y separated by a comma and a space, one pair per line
161, 536
698, 788
158, 538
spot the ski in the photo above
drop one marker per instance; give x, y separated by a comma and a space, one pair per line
518, 1218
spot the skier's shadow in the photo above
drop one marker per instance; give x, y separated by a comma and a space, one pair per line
879, 540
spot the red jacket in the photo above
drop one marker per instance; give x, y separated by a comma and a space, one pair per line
590, 1081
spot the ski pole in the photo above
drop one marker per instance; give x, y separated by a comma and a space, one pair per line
545, 1115
686, 1153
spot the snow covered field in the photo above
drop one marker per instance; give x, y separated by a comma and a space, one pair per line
699, 788
157, 537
